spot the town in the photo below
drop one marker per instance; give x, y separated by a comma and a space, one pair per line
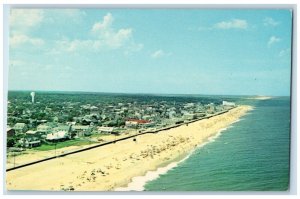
37, 119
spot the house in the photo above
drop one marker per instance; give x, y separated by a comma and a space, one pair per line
66, 128
29, 142
41, 121
81, 130
172, 114
71, 123
44, 128
86, 121
210, 108
200, 114
35, 134
10, 132
31, 132
55, 119
189, 116
20, 128
94, 109
57, 136
137, 122
105, 130
189, 105
225, 103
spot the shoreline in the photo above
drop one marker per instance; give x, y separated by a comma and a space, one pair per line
112, 166
138, 183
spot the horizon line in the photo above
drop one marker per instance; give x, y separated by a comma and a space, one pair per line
145, 93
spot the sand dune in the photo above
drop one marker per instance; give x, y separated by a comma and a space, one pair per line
112, 166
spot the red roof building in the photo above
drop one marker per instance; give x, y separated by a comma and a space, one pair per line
138, 121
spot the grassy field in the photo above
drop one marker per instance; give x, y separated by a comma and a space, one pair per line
77, 142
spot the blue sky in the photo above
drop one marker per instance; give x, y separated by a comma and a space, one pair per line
176, 51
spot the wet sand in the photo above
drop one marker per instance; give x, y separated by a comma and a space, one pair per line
112, 166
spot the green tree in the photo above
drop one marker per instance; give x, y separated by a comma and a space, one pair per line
10, 142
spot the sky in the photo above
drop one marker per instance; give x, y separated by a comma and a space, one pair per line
165, 51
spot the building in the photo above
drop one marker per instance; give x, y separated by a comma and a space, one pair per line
105, 130
86, 121
66, 128
210, 108
189, 105
172, 114
29, 142
189, 116
57, 136
137, 122
94, 109
81, 130
20, 128
10, 132
35, 135
200, 114
31, 132
43, 128
225, 103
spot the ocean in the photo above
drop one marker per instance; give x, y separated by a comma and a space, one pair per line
250, 155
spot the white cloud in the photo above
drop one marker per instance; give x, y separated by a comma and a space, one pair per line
273, 40
20, 39
77, 45
109, 37
232, 24
268, 21
23, 19
159, 53
22, 22
104, 25
105, 37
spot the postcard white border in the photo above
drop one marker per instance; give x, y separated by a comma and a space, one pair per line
164, 4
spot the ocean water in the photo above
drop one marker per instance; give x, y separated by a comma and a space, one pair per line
250, 155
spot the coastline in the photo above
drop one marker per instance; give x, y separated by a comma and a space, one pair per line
137, 183
109, 167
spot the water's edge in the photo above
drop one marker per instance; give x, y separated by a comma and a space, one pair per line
137, 183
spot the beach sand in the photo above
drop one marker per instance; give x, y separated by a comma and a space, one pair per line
109, 167
31, 155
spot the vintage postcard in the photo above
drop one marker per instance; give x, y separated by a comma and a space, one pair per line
148, 99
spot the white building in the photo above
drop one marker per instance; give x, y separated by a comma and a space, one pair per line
104, 129
225, 103
31, 132
44, 128
59, 135
26, 142
189, 116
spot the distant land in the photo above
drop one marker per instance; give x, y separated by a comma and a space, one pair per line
152, 94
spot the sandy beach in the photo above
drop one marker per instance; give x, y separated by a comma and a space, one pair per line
109, 167
31, 155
